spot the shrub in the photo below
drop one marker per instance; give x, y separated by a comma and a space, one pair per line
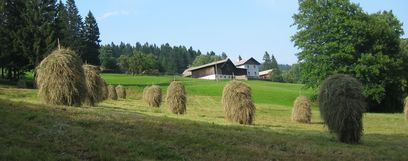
60, 78
94, 84
176, 97
112, 92
152, 95
301, 111
237, 102
121, 91
341, 106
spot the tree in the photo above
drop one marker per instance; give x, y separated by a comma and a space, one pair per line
224, 55
205, 59
276, 75
274, 63
336, 36
267, 64
75, 33
92, 40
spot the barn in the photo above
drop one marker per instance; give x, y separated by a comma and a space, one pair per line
251, 65
223, 69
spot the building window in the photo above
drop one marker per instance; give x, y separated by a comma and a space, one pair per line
254, 67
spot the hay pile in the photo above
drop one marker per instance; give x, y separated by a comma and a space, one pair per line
301, 111
121, 91
152, 95
94, 84
341, 106
105, 90
60, 78
406, 109
176, 97
112, 92
237, 102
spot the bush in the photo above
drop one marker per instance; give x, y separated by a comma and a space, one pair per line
112, 92
121, 92
237, 102
341, 106
60, 78
95, 85
301, 111
152, 96
176, 97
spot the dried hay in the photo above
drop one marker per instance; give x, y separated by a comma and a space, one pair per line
237, 102
301, 111
176, 97
60, 78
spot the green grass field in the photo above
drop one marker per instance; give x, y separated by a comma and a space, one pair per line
130, 130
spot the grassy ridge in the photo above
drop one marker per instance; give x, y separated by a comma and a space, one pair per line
130, 130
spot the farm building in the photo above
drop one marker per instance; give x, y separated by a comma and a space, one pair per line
223, 69
265, 74
252, 67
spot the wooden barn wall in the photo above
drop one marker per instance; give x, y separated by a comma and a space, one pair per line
203, 72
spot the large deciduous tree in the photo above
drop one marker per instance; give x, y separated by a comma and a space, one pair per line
337, 36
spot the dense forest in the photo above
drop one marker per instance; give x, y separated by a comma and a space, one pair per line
151, 58
32, 29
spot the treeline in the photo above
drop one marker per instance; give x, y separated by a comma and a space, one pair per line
31, 29
149, 58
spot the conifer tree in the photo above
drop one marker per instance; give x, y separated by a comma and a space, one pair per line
92, 40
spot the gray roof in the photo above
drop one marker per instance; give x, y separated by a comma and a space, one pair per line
207, 65
242, 62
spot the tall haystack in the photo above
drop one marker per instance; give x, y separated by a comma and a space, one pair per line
176, 97
60, 78
105, 90
112, 92
237, 102
406, 109
342, 105
301, 111
94, 84
152, 96
121, 91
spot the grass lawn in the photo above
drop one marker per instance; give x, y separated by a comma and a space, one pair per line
130, 130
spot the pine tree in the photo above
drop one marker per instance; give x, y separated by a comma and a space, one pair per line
267, 62
75, 33
92, 40
61, 20
274, 63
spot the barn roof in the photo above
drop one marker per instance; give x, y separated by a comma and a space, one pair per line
247, 61
265, 72
207, 65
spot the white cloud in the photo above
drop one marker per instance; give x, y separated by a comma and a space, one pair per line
112, 14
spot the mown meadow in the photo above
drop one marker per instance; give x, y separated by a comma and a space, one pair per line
128, 129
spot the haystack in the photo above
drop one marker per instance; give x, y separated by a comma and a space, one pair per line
94, 84
112, 92
152, 96
60, 78
237, 102
121, 91
105, 90
342, 105
406, 109
176, 97
301, 111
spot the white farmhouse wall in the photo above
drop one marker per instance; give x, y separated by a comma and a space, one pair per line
219, 76
252, 70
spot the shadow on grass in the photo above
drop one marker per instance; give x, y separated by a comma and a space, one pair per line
42, 132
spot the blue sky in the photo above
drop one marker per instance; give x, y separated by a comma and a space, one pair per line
237, 27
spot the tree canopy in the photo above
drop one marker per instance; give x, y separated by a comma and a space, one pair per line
337, 36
